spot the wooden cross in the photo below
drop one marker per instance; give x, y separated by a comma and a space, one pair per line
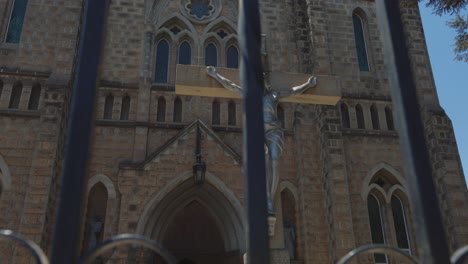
193, 80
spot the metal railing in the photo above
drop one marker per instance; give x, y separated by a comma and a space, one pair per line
432, 245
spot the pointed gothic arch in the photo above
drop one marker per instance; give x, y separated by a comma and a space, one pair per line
361, 37
386, 168
213, 194
110, 203
384, 189
219, 23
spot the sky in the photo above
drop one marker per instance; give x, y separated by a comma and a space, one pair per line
450, 77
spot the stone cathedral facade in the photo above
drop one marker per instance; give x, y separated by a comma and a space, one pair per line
342, 182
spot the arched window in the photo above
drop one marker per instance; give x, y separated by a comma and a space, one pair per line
108, 106
211, 55
232, 113
232, 57
360, 39
280, 115
15, 24
288, 208
34, 97
376, 226
389, 118
344, 116
1, 89
185, 53
95, 216
375, 117
125, 108
215, 113
15, 97
161, 114
177, 110
399, 221
162, 62
360, 117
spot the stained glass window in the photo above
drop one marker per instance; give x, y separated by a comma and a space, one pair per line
400, 223
359, 38
161, 114
185, 53
232, 57
389, 117
376, 226
15, 97
211, 55
125, 108
216, 113
34, 97
108, 106
360, 117
232, 113
177, 110
162, 62
15, 25
200, 8
375, 117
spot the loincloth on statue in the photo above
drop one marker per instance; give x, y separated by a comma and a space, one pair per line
274, 139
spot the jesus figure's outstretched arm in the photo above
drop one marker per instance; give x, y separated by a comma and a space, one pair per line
312, 82
226, 83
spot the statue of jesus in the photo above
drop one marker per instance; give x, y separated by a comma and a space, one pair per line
273, 128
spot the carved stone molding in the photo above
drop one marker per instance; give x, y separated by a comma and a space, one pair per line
200, 11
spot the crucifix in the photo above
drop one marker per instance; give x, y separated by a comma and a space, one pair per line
273, 128
221, 83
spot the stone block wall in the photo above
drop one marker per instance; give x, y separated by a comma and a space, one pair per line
326, 162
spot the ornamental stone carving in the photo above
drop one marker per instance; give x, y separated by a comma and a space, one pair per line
200, 11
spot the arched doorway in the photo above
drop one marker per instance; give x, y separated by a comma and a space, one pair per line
194, 236
196, 223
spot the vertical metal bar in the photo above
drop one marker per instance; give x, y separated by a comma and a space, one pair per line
254, 155
68, 225
431, 239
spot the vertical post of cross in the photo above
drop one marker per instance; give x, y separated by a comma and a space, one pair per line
432, 244
254, 153
66, 241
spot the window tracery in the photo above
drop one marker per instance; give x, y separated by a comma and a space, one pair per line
387, 212
200, 11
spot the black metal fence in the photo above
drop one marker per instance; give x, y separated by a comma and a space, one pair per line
432, 245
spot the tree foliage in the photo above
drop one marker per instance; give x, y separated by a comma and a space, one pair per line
447, 6
460, 23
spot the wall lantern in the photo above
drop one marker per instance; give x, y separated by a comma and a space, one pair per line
199, 167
